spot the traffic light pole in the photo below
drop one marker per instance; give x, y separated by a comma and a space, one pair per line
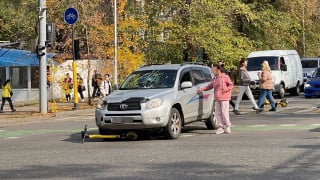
115, 58
75, 80
43, 57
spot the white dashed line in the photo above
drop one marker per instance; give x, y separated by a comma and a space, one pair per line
258, 125
287, 125
187, 135
12, 137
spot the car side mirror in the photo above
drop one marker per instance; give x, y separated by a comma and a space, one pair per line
283, 67
186, 85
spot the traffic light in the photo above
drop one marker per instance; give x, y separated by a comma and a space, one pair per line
39, 51
51, 35
76, 44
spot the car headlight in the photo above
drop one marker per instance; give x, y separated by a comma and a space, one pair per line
101, 104
307, 85
154, 103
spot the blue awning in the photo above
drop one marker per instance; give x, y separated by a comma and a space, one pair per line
14, 57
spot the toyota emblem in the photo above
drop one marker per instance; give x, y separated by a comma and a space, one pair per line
123, 106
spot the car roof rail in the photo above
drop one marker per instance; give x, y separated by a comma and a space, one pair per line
193, 63
155, 64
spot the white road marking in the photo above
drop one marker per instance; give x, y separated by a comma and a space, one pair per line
14, 137
2, 130
315, 125
258, 125
187, 135
288, 125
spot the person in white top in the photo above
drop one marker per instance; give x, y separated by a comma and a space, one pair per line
106, 87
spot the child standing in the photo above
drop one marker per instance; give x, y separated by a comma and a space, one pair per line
68, 87
222, 86
6, 95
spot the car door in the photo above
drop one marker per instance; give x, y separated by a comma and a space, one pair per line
202, 77
188, 97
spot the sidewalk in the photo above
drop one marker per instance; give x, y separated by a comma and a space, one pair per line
29, 112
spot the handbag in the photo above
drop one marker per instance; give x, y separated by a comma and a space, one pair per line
11, 93
83, 88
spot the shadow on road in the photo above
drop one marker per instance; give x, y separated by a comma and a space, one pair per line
142, 135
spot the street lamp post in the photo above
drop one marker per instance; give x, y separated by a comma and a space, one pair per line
115, 46
43, 57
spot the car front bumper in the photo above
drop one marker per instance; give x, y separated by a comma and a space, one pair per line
125, 120
310, 92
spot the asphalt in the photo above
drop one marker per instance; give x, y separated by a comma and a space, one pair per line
271, 145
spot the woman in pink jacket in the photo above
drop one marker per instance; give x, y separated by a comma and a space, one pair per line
222, 86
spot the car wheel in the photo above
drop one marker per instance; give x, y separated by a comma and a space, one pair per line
282, 91
295, 91
211, 122
173, 128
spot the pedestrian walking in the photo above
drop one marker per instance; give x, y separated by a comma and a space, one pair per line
99, 80
68, 86
220, 63
222, 86
6, 95
244, 87
266, 86
80, 87
106, 87
94, 83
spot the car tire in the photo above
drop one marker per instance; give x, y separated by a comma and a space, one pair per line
281, 92
295, 91
173, 128
211, 122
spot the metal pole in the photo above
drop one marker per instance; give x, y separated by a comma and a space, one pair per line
115, 46
74, 68
303, 29
43, 59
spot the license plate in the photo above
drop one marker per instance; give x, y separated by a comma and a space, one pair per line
317, 93
116, 120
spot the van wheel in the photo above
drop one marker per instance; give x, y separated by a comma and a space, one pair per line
281, 92
173, 128
211, 122
295, 91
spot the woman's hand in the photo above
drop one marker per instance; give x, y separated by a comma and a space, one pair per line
200, 90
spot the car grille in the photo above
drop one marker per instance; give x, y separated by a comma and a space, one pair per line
128, 106
131, 104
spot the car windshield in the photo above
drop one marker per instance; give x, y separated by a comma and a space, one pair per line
309, 63
254, 63
316, 74
151, 79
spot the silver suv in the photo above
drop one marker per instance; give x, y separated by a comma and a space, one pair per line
158, 97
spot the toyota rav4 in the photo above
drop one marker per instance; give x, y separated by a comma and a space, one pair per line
158, 97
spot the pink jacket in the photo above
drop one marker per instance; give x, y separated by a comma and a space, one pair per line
222, 86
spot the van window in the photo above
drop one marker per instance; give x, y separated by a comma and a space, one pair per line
254, 63
309, 63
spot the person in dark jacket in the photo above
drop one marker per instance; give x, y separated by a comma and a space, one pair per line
244, 83
223, 69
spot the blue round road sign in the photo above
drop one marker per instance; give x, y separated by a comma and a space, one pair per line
71, 16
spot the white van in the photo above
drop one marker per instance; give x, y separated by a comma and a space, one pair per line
309, 66
285, 67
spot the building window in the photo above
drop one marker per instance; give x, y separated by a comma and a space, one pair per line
19, 77
2, 76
